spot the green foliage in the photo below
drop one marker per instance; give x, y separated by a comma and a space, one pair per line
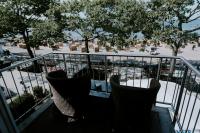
46, 30
171, 15
111, 21
39, 93
21, 104
142, 49
18, 16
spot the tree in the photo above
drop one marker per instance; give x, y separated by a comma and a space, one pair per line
80, 20
120, 19
172, 15
111, 21
19, 15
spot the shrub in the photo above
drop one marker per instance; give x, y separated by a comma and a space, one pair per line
21, 104
39, 93
142, 49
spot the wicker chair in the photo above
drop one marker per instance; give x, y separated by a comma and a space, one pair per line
133, 105
70, 95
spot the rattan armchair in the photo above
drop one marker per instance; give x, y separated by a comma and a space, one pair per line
133, 105
70, 95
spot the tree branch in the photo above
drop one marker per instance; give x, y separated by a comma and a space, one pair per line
193, 19
195, 29
78, 33
194, 11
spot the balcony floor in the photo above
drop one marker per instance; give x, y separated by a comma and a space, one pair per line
99, 120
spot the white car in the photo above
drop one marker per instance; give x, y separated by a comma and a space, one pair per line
154, 52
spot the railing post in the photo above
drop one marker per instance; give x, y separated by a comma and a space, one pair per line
106, 72
180, 96
159, 67
65, 63
45, 66
46, 72
7, 123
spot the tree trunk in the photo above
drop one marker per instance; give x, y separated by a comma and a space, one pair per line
36, 67
88, 56
26, 39
180, 25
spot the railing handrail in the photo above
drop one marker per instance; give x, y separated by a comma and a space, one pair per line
138, 55
108, 54
26, 61
117, 54
190, 66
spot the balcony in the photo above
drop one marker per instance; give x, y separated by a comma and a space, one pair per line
177, 104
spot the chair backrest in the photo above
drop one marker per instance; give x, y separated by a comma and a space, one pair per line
69, 92
133, 100
58, 79
78, 85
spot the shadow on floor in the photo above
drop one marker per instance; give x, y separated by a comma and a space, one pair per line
99, 120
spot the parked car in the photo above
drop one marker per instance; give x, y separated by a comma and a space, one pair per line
153, 51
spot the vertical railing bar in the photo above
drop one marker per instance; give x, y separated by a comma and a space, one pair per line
10, 97
59, 59
46, 72
119, 65
8, 123
55, 62
45, 65
70, 63
106, 72
23, 83
167, 86
149, 71
126, 69
197, 93
42, 80
195, 124
98, 70
134, 70
141, 72
178, 89
113, 66
50, 60
81, 63
56, 59
159, 68
30, 80
179, 97
15, 85
188, 83
74, 63
188, 101
93, 72
77, 63
65, 65
177, 80
36, 76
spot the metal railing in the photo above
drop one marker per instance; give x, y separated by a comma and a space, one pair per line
180, 81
